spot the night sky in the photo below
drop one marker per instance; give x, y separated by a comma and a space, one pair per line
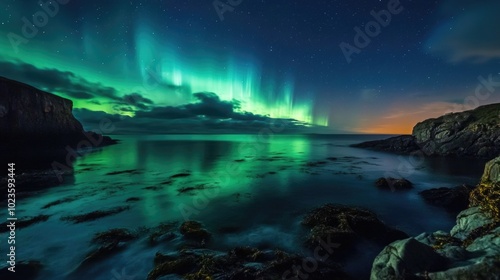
238, 66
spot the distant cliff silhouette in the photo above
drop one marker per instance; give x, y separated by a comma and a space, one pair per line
33, 118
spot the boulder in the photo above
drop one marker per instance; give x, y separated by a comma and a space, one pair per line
404, 259
393, 184
491, 173
487, 194
193, 230
469, 220
452, 199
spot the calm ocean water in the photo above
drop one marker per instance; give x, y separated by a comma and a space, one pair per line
259, 188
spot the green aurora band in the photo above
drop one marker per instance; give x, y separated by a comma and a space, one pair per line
169, 73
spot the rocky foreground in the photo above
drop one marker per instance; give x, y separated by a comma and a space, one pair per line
473, 134
471, 250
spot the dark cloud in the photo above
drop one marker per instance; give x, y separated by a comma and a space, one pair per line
136, 125
208, 105
72, 85
470, 34
79, 95
207, 114
87, 116
137, 100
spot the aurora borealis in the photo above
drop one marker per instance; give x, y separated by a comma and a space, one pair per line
170, 66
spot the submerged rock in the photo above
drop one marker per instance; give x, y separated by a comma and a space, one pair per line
393, 184
94, 215
194, 231
452, 199
108, 243
24, 222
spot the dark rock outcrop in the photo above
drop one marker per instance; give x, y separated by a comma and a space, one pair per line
241, 264
33, 118
403, 144
194, 230
474, 133
452, 199
346, 226
418, 257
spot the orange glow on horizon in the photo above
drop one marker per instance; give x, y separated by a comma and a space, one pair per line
388, 128
403, 118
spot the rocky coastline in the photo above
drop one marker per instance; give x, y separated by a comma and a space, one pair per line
469, 134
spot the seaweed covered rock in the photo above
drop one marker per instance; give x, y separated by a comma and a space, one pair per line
487, 194
345, 226
241, 264
108, 243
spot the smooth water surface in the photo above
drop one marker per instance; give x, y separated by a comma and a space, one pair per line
258, 187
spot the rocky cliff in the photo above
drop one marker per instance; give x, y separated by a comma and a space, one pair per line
471, 250
31, 117
474, 133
